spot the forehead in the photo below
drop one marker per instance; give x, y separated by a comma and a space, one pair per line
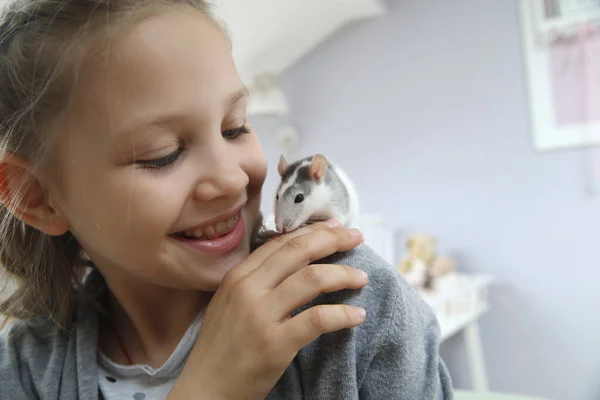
174, 63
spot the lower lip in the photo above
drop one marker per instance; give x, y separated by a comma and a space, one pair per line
223, 244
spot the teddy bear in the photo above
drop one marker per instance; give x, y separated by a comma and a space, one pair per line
421, 264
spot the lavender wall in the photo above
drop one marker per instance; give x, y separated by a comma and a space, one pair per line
430, 101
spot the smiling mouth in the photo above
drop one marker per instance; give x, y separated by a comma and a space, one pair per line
209, 232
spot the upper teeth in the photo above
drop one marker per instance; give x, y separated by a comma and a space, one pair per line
210, 230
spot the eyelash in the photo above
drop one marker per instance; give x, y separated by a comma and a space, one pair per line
234, 133
166, 161
163, 162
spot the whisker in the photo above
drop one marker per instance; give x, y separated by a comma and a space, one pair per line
313, 220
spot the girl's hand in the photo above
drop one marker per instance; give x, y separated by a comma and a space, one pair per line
248, 337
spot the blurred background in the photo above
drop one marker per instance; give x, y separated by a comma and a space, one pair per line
473, 122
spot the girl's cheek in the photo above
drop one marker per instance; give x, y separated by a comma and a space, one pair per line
255, 164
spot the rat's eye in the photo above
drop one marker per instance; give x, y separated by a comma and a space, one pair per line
277, 197
299, 198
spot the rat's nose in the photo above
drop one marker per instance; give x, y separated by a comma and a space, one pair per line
284, 226
287, 224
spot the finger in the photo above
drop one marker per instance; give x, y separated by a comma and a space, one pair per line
300, 251
276, 241
273, 244
307, 283
315, 321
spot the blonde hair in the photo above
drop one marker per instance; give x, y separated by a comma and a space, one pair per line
42, 45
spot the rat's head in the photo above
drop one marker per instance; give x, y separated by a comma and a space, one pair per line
302, 196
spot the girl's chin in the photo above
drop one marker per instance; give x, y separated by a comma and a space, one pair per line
210, 273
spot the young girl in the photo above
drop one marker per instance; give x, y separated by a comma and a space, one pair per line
131, 184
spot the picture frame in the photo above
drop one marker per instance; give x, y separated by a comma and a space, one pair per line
561, 47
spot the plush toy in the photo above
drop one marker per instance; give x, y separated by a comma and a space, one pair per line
421, 265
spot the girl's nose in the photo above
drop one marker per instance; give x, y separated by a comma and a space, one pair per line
222, 178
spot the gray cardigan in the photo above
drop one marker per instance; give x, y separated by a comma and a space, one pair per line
393, 355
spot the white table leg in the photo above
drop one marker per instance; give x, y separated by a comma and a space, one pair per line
475, 357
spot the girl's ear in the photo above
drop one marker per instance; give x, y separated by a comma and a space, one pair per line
282, 166
23, 194
318, 167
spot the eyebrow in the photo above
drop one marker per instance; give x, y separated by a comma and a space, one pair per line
237, 96
166, 119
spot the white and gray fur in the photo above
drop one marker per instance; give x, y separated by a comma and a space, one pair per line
334, 197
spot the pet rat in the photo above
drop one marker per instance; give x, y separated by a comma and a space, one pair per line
313, 189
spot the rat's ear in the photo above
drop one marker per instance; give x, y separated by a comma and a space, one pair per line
23, 194
283, 165
318, 167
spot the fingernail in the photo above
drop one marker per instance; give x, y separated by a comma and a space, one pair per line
354, 232
363, 274
360, 312
332, 223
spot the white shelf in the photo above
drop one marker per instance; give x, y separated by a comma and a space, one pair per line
458, 300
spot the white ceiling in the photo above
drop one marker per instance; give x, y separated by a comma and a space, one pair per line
270, 35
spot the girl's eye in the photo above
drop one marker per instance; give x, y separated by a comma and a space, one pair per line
163, 162
231, 134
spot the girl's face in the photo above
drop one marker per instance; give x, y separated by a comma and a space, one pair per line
157, 158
